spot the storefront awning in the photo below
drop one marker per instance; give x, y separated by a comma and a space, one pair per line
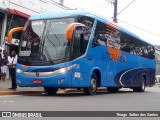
17, 12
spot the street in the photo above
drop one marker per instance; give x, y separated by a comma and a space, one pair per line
125, 100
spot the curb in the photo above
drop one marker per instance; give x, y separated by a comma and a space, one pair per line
19, 92
41, 92
25, 92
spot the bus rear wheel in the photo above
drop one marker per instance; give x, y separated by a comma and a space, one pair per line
92, 89
50, 90
113, 89
142, 87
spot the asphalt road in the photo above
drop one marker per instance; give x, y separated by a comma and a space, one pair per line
125, 100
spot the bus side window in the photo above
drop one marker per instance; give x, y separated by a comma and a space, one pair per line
151, 52
107, 36
134, 46
76, 47
125, 42
100, 35
78, 43
88, 22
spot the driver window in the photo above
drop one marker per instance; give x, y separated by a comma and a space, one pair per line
88, 22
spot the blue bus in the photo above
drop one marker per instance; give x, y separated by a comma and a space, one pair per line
77, 49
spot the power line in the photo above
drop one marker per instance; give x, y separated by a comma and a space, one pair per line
119, 19
126, 7
95, 6
115, 3
74, 5
101, 8
88, 8
140, 28
110, 1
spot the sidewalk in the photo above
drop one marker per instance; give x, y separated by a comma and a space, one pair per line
20, 90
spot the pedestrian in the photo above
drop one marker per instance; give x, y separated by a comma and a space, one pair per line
12, 63
4, 65
0, 65
9, 69
0, 61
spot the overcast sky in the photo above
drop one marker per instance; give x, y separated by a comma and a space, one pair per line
142, 14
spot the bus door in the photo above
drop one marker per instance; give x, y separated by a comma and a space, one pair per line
109, 36
78, 56
81, 38
107, 42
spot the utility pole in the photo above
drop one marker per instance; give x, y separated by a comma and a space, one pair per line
115, 11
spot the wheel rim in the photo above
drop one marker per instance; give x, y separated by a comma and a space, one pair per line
143, 84
93, 86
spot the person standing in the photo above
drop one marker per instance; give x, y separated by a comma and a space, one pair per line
0, 65
12, 63
4, 65
9, 69
0, 62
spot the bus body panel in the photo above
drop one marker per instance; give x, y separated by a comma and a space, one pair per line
59, 80
126, 71
123, 71
80, 76
77, 77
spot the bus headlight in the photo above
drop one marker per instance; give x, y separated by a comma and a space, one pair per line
19, 70
63, 70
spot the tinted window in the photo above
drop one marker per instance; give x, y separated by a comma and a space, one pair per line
105, 35
100, 37
84, 32
108, 36
136, 47
125, 43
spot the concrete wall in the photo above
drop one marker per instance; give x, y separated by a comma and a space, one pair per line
32, 7
29, 7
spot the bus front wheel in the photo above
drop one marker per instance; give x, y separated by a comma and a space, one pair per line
142, 87
50, 90
92, 89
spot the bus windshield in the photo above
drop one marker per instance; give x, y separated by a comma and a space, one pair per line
45, 41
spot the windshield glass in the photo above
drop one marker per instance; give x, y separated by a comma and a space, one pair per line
45, 41
55, 44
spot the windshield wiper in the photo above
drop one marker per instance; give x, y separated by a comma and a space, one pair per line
46, 50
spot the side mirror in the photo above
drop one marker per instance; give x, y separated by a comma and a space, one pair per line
71, 28
10, 33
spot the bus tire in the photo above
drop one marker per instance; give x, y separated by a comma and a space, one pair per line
142, 87
92, 89
113, 89
50, 90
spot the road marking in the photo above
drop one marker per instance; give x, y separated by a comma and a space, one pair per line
4, 96
6, 101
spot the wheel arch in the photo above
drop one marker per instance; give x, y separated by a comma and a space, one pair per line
98, 74
145, 77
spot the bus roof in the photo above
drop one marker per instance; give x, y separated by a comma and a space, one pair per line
69, 13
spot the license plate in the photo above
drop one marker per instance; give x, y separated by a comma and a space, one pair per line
37, 81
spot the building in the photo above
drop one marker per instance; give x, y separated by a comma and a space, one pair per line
157, 54
14, 13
